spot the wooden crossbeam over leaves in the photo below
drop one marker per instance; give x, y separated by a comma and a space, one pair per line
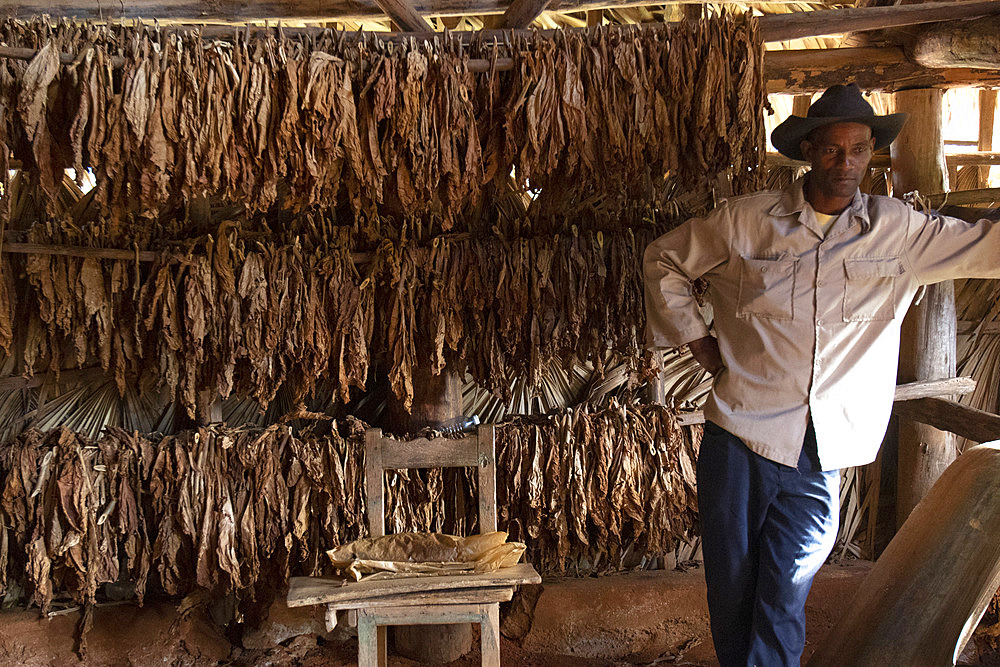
521, 13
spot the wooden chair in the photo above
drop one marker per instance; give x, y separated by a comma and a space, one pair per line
465, 598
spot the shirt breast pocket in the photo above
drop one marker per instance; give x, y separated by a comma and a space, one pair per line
767, 288
870, 289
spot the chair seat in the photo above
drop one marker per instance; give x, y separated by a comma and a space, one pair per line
340, 594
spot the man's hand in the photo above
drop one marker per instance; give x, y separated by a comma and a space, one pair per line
706, 352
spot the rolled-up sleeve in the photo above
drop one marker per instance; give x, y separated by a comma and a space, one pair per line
942, 248
670, 264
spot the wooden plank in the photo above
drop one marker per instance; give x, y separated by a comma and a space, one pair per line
368, 645
490, 636
463, 595
304, 591
957, 386
430, 615
521, 13
405, 16
374, 486
430, 453
953, 417
487, 479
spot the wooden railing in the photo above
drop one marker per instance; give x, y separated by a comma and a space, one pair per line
926, 402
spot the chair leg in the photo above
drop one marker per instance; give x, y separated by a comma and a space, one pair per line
489, 631
368, 644
383, 652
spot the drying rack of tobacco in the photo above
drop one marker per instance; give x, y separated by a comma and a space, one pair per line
296, 214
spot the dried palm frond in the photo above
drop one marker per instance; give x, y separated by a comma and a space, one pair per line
977, 303
87, 407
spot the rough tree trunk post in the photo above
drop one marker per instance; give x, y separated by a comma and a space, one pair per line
436, 399
929, 330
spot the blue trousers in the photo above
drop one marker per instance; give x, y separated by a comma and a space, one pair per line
766, 530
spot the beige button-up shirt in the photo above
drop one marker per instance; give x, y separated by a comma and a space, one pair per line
807, 324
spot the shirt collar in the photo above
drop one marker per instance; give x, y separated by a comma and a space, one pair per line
793, 200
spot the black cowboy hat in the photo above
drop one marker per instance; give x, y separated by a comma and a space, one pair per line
838, 104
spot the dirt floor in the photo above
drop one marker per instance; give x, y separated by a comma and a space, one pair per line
642, 618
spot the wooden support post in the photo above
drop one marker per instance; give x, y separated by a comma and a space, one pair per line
987, 117
436, 399
800, 105
928, 344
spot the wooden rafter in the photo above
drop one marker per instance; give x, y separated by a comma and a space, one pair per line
405, 16
521, 13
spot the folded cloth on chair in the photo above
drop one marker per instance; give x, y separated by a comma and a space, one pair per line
425, 554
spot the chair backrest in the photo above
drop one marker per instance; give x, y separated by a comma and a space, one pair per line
475, 450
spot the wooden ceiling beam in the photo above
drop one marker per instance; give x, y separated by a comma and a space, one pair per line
796, 25
774, 27
521, 13
872, 68
959, 44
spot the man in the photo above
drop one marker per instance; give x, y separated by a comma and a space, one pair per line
809, 285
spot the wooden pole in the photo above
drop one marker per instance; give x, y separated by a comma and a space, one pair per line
800, 105
436, 399
965, 422
928, 343
987, 116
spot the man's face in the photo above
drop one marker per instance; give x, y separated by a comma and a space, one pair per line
839, 155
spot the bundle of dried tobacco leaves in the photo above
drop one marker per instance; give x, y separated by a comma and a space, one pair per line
248, 318
393, 130
230, 510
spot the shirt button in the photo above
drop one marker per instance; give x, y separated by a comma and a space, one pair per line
763, 269
819, 322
